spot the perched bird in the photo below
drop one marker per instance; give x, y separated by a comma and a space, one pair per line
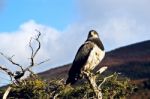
87, 58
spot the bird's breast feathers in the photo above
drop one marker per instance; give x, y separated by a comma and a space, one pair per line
95, 57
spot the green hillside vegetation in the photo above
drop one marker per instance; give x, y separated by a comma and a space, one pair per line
37, 88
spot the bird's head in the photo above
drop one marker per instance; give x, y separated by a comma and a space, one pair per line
93, 34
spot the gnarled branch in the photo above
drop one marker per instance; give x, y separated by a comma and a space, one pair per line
92, 81
19, 74
7, 92
11, 60
34, 53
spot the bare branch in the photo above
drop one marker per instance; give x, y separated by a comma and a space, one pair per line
39, 44
30, 45
7, 71
42, 62
11, 78
92, 81
102, 69
10, 60
7, 92
18, 74
104, 81
28, 69
34, 53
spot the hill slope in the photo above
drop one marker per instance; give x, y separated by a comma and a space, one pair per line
132, 61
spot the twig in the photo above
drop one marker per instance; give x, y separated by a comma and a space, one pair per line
10, 59
33, 53
7, 71
42, 62
104, 81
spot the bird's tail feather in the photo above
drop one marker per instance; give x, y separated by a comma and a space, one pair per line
72, 79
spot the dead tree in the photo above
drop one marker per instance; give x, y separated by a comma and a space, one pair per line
92, 81
16, 77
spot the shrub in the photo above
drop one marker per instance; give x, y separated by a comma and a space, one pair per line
36, 88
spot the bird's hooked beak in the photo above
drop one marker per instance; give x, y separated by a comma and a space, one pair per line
93, 34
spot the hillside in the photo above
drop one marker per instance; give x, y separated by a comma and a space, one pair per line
132, 61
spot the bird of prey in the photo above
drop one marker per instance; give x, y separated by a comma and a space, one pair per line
87, 58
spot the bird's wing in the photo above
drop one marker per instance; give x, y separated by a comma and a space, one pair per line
79, 61
83, 54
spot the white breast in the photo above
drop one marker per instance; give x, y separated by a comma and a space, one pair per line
94, 59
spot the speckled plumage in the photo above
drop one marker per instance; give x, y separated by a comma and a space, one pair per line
87, 58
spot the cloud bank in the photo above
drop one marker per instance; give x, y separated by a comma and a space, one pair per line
120, 22
17, 43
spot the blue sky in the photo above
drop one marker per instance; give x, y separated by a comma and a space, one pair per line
65, 24
55, 13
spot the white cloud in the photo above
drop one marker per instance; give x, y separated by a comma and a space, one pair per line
120, 32
107, 8
119, 22
17, 43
